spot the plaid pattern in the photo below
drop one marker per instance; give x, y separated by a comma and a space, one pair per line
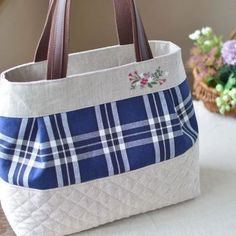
75, 147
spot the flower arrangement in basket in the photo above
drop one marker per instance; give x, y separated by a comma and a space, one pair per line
214, 68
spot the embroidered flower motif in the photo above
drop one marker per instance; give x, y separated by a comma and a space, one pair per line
148, 79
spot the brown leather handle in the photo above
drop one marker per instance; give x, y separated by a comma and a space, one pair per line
130, 28
129, 24
59, 40
42, 47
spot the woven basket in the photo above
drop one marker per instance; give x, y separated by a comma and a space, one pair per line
206, 94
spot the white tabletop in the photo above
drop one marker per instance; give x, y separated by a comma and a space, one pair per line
214, 213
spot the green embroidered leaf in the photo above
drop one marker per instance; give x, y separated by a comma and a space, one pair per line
153, 82
149, 85
134, 82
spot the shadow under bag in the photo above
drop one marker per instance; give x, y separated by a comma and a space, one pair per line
95, 136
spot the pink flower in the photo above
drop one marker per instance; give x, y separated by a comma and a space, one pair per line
161, 82
147, 75
144, 82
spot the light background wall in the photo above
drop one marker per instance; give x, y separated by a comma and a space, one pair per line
93, 26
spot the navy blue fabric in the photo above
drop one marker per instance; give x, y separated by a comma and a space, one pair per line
96, 142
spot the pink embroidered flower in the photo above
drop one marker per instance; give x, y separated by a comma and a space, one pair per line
162, 81
144, 82
147, 75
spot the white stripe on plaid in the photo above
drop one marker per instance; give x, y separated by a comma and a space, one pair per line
56, 162
102, 133
32, 159
70, 142
16, 156
170, 131
118, 130
153, 129
112, 149
163, 138
185, 109
63, 148
26, 153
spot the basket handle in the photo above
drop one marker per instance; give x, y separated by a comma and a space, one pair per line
54, 40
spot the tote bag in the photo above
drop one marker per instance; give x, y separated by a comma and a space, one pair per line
97, 136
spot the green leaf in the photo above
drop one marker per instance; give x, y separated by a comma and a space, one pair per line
149, 85
211, 81
225, 72
228, 85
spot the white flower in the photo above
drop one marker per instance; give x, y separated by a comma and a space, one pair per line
218, 101
196, 35
232, 93
226, 98
233, 103
206, 30
207, 42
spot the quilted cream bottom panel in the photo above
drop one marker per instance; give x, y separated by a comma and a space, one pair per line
76, 208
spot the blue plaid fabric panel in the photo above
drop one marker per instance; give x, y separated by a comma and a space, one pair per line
79, 146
